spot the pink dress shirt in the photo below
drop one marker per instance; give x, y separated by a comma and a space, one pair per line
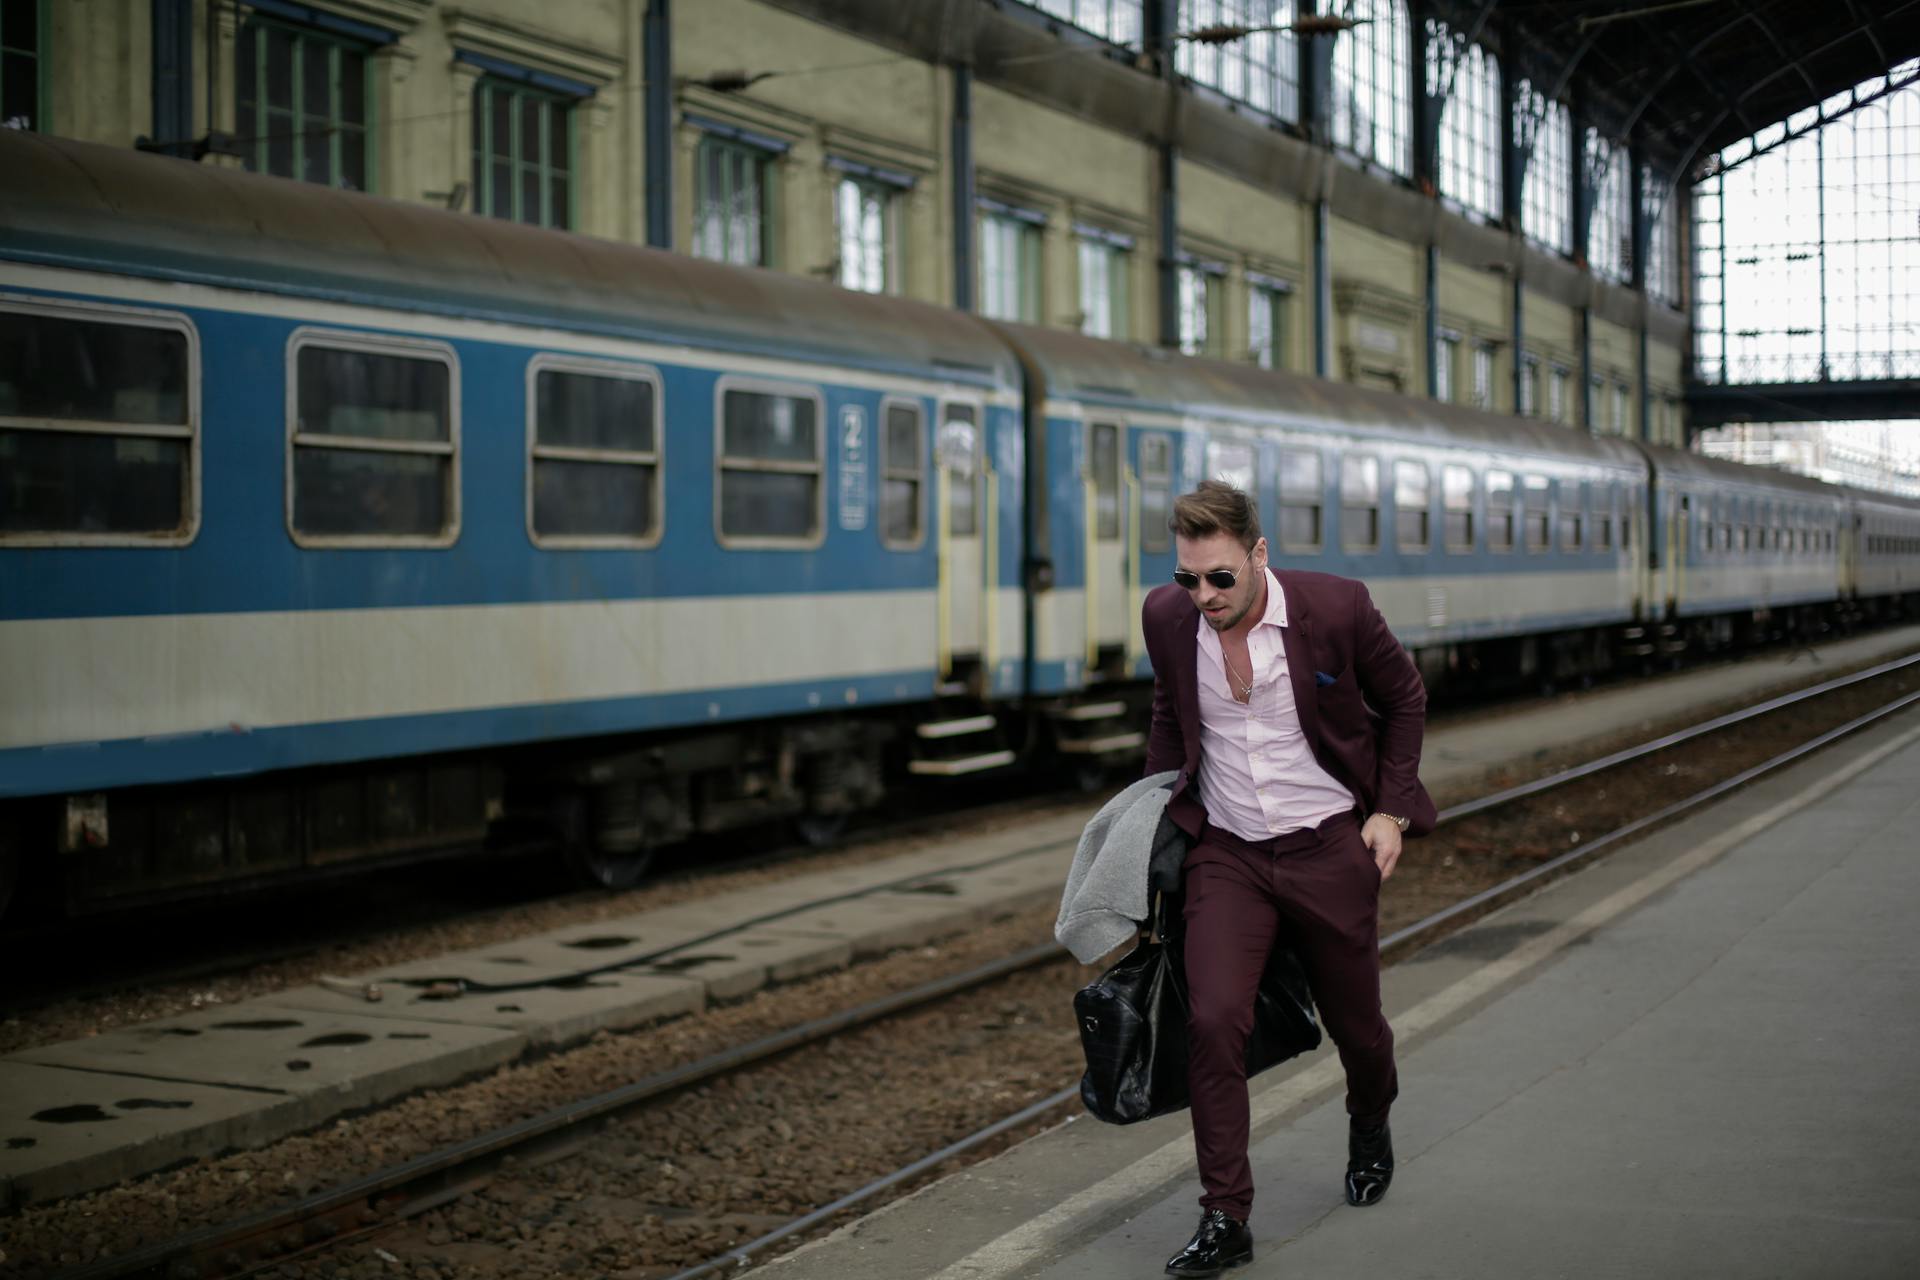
1258, 777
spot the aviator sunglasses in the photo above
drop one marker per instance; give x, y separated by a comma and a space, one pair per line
1221, 578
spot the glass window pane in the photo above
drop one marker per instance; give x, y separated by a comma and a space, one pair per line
770, 427
279, 86
353, 160
533, 135
531, 210
344, 492
500, 108
246, 56
582, 499
959, 452
91, 371
64, 482
903, 440
1500, 510
280, 143
900, 510
1534, 512
589, 411
372, 395
1410, 504
767, 504
1360, 502
902, 467
316, 78
1104, 461
353, 86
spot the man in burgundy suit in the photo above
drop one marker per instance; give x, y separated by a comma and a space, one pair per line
1294, 719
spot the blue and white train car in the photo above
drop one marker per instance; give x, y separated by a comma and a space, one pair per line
1488, 542
1744, 550
1880, 572
346, 503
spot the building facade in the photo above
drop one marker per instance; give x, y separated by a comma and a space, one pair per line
1385, 202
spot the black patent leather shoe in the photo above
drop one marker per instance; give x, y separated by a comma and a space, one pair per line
1221, 1241
1369, 1165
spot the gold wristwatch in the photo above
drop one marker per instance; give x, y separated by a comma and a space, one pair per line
1402, 823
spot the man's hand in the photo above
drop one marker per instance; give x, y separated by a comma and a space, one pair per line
1381, 834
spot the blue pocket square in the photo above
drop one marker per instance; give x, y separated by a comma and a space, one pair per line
1322, 679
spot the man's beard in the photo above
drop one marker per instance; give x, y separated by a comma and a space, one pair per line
1227, 621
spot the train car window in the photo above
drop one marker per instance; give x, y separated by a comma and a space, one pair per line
960, 458
1534, 513
594, 477
1605, 504
1232, 461
1359, 502
1103, 461
903, 468
375, 441
1626, 519
1302, 490
1573, 515
98, 418
1456, 491
1412, 515
1500, 496
1156, 493
771, 459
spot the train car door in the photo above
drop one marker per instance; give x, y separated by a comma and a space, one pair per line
962, 516
1150, 503
1107, 579
1682, 546
1849, 555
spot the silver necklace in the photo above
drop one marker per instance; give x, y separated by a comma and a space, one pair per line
1245, 690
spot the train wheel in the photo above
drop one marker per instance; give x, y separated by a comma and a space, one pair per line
592, 859
605, 869
821, 830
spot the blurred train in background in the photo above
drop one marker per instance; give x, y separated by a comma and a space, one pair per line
336, 530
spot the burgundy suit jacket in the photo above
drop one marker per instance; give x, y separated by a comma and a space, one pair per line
1364, 726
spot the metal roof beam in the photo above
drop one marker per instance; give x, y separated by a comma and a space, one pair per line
1856, 101
1766, 29
1869, 27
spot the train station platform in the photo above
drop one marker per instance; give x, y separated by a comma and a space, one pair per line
1696, 1058
92, 1112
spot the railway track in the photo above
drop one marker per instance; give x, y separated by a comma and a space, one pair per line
364, 1210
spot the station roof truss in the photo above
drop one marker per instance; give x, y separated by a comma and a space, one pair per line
1686, 79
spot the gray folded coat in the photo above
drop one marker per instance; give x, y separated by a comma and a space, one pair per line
1109, 890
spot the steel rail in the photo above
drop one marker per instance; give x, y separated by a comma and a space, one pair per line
372, 1203
276, 1236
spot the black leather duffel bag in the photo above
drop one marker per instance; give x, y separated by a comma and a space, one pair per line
1133, 1026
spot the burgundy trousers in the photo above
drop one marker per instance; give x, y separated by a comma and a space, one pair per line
1322, 889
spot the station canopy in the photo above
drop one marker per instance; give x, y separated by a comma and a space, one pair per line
1691, 77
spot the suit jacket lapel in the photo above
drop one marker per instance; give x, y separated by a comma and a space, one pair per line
1297, 639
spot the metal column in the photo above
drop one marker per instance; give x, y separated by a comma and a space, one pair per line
1316, 81
963, 198
658, 52
1161, 18
1637, 194
173, 77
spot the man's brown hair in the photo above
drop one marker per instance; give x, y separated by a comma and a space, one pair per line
1216, 507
